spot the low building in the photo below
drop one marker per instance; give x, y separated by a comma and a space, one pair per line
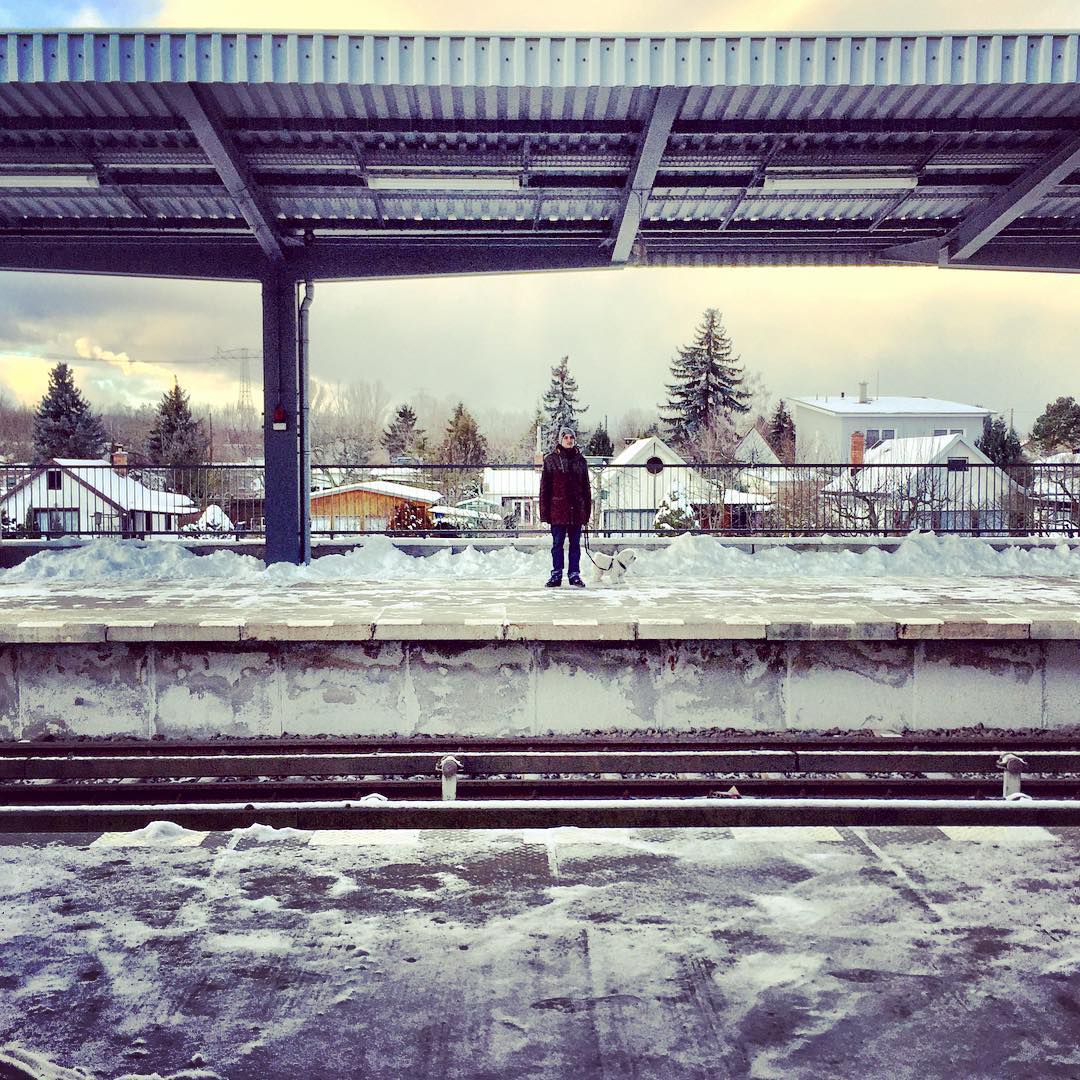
1055, 493
824, 425
90, 496
515, 493
372, 506
938, 482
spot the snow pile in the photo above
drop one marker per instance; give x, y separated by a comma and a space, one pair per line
212, 520
131, 560
686, 558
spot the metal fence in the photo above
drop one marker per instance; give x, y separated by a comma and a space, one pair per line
654, 499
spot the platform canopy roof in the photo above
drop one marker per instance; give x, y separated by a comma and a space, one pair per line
242, 155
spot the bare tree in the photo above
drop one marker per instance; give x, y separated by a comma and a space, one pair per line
346, 420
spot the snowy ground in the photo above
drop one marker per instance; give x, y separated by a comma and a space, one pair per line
688, 558
795, 954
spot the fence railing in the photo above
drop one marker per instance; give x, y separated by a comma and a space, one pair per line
227, 500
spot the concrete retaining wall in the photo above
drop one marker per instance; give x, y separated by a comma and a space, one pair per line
187, 689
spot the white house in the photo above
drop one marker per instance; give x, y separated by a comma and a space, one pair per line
938, 482
514, 492
754, 449
1055, 492
648, 473
824, 425
69, 495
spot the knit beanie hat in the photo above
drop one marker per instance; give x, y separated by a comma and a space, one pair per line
564, 431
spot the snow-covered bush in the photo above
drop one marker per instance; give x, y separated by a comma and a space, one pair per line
674, 514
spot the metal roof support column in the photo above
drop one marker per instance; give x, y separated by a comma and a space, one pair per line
639, 183
281, 421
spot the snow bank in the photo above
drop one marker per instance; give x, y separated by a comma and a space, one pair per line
688, 557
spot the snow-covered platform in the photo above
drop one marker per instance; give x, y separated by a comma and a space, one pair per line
797, 953
182, 660
149, 640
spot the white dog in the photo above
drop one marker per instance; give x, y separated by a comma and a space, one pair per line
611, 569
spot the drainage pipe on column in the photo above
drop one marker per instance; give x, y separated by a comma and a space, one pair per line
305, 431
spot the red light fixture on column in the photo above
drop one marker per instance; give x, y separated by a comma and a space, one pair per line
280, 420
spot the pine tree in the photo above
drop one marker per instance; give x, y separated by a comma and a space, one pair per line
560, 403
402, 436
177, 437
781, 432
64, 425
1059, 426
707, 381
463, 443
600, 445
999, 443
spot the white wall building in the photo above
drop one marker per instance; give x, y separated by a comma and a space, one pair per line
824, 425
68, 495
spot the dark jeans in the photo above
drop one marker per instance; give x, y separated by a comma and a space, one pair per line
559, 533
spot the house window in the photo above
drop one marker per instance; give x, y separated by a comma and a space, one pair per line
52, 479
940, 431
956, 431
873, 437
888, 433
654, 465
56, 522
958, 464
168, 522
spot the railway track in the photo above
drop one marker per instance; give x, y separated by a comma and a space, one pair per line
453, 783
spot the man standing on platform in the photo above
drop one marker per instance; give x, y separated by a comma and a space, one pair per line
565, 504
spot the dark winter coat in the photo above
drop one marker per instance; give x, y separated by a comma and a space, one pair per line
565, 493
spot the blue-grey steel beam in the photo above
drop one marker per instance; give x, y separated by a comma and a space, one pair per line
281, 405
1018, 199
639, 183
196, 106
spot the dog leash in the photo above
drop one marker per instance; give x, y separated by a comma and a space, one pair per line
588, 550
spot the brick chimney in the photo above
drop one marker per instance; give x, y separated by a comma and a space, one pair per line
858, 447
118, 459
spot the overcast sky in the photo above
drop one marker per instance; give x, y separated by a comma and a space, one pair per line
1002, 340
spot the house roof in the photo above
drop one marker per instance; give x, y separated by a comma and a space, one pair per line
890, 406
382, 487
921, 450
637, 453
124, 492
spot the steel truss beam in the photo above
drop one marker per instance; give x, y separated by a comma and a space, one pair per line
1020, 197
205, 121
639, 183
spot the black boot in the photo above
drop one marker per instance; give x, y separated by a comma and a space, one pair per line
575, 579
555, 580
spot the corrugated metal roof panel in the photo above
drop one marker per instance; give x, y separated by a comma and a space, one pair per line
538, 60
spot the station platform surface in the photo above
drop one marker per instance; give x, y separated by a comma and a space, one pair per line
793, 953
783, 609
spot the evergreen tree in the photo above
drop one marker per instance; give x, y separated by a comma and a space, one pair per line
64, 425
177, 438
560, 403
600, 444
999, 443
1059, 426
781, 432
463, 443
707, 381
402, 436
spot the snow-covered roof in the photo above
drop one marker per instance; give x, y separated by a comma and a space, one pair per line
461, 513
637, 453
383, 487
125, 491
512, 483
890, 406
754, 447
921, 450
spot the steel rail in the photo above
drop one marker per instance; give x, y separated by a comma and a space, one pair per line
173, 792
497, 763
